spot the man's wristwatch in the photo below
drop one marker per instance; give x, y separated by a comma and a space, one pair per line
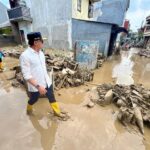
37, 86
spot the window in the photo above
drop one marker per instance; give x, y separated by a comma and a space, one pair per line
79, 5
91, 10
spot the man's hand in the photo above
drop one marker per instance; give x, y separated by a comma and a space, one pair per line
42, 90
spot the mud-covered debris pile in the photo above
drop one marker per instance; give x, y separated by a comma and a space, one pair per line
62, 76
65, 71
14, 52
58, 62
69, 78
17, 80
100, 60
145, 53
133, 102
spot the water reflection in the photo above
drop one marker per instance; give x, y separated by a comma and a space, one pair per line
123, 72
47, 130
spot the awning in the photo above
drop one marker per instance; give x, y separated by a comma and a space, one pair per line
121, 29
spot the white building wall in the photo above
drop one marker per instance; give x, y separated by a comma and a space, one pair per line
53, 19
4, 20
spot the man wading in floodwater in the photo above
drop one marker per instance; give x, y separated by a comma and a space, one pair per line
34, 71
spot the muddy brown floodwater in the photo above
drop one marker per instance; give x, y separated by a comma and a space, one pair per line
88, 129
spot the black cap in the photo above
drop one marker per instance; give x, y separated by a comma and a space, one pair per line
34, 36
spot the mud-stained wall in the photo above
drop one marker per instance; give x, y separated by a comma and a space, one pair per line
53, 19
91, 31
108, 7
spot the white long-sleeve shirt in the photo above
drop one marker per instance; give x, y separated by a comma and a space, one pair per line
33, 66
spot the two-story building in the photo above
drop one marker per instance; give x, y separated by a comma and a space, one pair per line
64, 22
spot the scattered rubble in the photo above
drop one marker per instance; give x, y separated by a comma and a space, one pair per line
91, 104
130, 43
79, 77
133, 102
65, 71
13, 52
61, 80
139, 44
100, 60
15, 83
145, 53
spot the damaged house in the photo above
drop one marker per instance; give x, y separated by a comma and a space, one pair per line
65, 22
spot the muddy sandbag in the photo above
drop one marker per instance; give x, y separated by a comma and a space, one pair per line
120, 103
125, 115
108, 97
139, 119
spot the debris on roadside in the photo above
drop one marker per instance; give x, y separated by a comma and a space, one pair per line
63, 79
133, 102
90, 104
100, 60
66, 72
72, 79
14, 52
15, 83
144, 52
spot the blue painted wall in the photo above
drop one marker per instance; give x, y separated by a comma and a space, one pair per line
108, 7
94, 31
86, 53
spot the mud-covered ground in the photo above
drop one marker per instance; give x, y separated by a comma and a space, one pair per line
87, 129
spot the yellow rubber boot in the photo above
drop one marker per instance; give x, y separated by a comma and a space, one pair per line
1, 65
55, 108
29, 109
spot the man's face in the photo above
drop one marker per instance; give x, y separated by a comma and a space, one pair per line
38, 44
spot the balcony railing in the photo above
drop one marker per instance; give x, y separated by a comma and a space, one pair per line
147, 32
148, 18
20, 13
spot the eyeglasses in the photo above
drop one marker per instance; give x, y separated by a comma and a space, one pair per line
40, 40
